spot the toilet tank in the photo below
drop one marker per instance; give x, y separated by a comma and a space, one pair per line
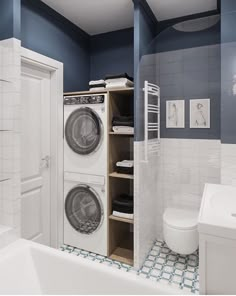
217, 240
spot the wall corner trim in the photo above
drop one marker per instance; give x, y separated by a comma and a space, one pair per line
151, 16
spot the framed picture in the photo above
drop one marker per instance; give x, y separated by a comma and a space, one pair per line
200, 113
175, 114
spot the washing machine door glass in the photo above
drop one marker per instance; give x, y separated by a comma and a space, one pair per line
84, 209
83, 131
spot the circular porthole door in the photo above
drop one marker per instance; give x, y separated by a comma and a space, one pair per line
84, 209
84, 131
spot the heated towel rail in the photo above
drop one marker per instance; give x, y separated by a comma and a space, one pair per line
151, 91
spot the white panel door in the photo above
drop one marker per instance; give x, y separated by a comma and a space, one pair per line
35, 154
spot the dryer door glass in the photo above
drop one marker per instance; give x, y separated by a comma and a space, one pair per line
83, 131
83, 209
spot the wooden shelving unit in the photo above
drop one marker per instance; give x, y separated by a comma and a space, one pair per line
120, 147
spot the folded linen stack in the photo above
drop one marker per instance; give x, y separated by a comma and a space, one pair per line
123, 124
125, 167
119, 81
97, 85
123, 206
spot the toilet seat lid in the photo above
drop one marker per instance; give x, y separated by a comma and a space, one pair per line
181, 218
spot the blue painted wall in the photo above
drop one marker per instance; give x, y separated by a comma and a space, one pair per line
85, 57
188, 67
144, 33
46, 32
172, 39
112, 53
9, 19
228, 71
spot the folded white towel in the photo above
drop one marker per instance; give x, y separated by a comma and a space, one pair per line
119, 82
123, 129
125, 163
97, 89
123, 215
96, 82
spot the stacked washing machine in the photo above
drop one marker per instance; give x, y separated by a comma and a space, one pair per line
85, 172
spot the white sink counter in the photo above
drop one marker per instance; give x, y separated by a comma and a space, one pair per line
217, 240
218, 211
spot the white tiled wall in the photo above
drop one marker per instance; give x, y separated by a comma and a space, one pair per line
10, 138
145, 188
228, 164
185, 165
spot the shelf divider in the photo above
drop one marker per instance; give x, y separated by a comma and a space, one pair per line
121, 134
123, 255
120, 219
121, 176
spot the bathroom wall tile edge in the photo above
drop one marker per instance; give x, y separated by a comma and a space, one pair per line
10, 208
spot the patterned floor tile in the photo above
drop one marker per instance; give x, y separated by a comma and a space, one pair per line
161, 265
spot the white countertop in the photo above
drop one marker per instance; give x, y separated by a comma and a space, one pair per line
218, 211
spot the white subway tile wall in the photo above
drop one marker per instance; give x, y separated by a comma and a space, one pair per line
145, 190
185, 165
228, 164
10, 203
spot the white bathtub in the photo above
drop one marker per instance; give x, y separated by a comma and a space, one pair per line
30, 268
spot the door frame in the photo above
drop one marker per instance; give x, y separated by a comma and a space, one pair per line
56, 139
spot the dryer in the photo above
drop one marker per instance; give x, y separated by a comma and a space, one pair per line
85, 212
85, 134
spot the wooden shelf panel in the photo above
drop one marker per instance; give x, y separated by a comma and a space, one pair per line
121, 134
106, 90
122, 176
123, 255
125, 220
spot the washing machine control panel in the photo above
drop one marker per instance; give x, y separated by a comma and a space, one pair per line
84, 100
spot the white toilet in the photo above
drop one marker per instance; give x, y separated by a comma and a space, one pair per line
180, 230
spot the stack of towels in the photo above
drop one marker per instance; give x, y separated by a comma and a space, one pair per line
119, 81
112, 81
125, 167
123, 206
97, 85
123, 124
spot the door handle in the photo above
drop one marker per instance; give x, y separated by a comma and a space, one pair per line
45, 162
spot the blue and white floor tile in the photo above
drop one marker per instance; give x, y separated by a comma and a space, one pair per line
161, 265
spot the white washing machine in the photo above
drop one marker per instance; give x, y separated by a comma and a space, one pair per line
85, 134
85, 214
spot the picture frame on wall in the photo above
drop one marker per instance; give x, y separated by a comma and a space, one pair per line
200, 113
175, 114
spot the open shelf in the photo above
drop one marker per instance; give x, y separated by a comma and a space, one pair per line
123, 91
122, 176
124, 250
123, 255
121, 134
124, 220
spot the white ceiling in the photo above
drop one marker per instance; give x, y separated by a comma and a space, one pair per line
101, 16
96, 16
168, 9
